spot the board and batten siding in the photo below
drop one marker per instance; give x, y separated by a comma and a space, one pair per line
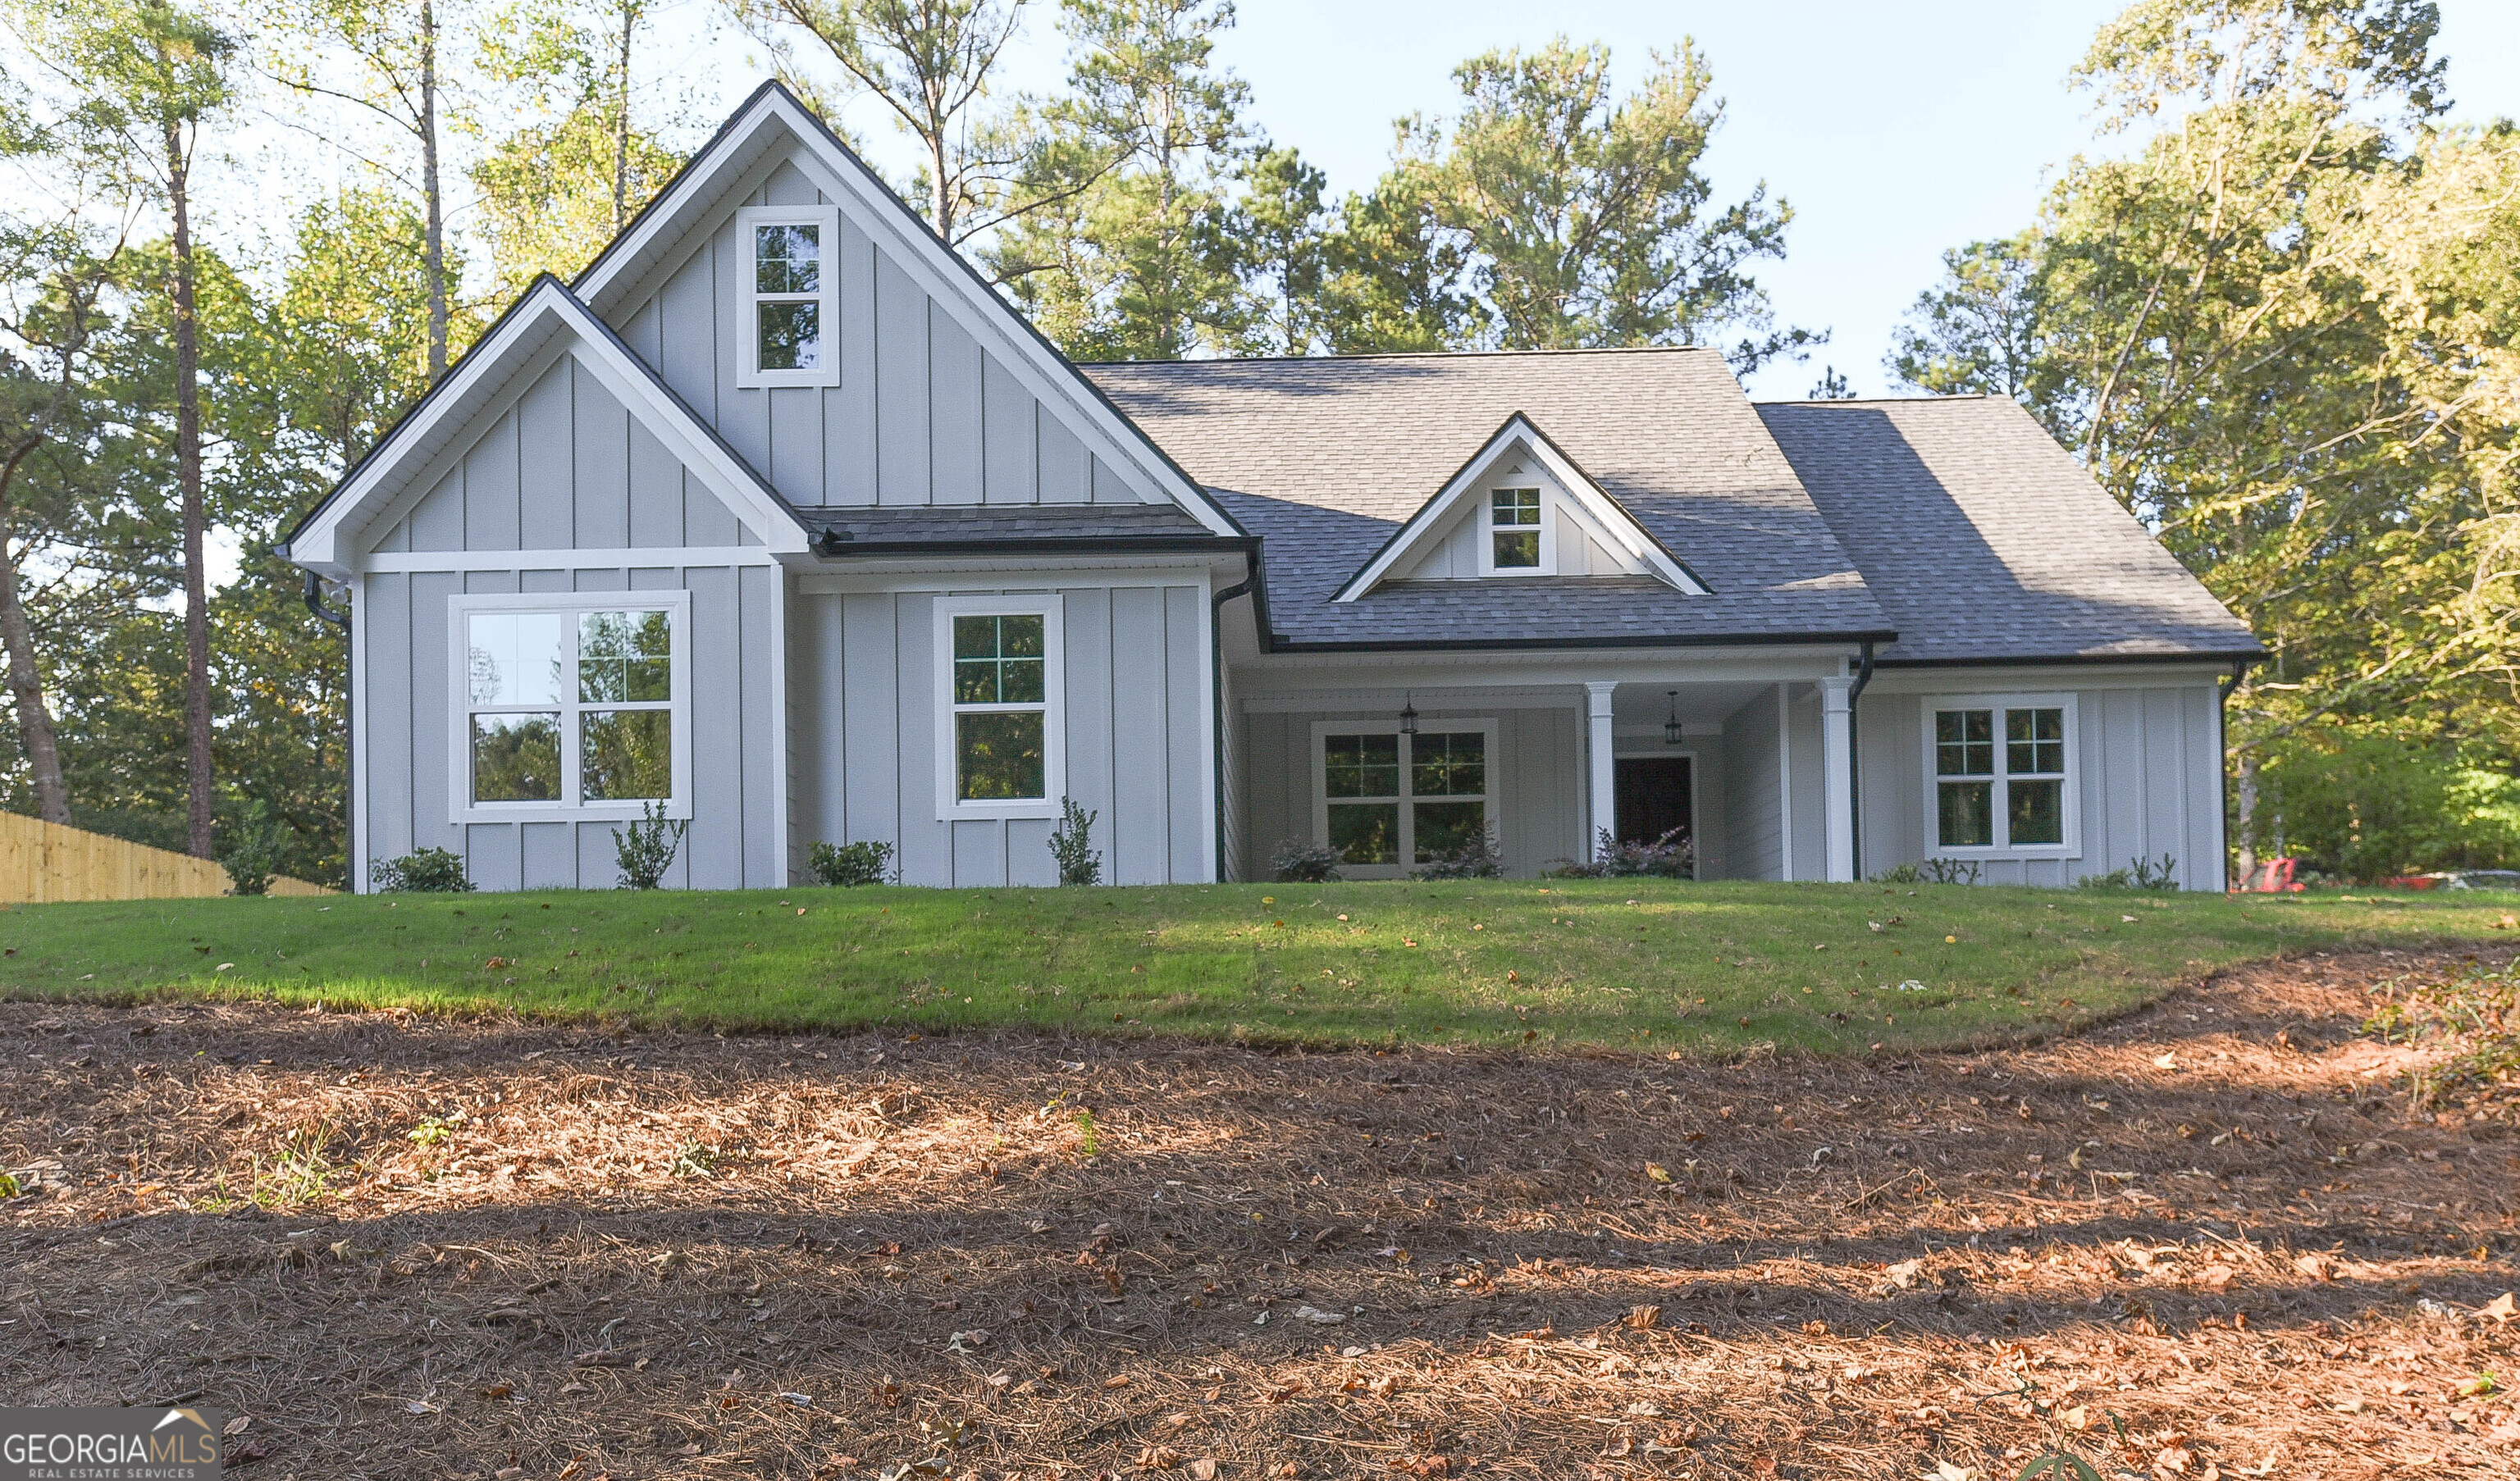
922, 415
865, 682
2151, 782
566, 466
1754, 817
1535, 783
736, 838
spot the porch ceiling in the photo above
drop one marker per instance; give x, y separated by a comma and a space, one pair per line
1636, 705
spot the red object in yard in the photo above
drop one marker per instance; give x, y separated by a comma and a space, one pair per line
2274, 877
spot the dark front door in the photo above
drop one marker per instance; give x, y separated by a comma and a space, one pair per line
1653, 798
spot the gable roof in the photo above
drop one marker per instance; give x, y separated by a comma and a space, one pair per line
437, 425
1424, 527
773, 119
1984, 540
1326, 458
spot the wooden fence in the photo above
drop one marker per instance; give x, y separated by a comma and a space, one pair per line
43, 861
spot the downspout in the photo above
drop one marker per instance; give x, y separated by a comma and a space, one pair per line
1216, 692
349, 752
1854, 761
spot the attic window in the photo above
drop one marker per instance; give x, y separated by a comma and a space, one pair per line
790, 320
1513, 518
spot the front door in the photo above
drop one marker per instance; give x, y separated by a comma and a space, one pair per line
1655, 798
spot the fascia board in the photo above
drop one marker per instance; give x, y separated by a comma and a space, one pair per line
938, 271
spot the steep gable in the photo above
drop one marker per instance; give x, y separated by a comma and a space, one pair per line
548, 435
943, 395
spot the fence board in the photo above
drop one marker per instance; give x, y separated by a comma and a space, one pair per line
42, 862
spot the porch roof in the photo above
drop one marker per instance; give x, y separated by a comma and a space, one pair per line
1324, 458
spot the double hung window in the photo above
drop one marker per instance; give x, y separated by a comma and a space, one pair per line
2001, 774
1000, 718
571, 706
1389, 801
1514, 528
789, 325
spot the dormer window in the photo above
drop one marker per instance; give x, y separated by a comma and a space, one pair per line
1513, 518
790, 321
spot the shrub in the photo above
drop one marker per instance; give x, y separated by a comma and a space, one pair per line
648, 849
1476, 859
429, 871
843, 865
1300, 860
1669, 857
1072, 846
2140, 874
253, 858
1932, 871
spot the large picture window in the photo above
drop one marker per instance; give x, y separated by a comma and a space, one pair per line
1389, 801
569, 706
788, 328
1000, 720
2001, 774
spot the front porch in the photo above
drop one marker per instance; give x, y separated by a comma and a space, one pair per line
1748, 760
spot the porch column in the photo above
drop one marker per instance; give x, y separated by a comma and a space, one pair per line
1836, 786
1603, 751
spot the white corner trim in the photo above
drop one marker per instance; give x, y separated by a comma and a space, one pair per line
1518, 432
2072, 847
462, 808
749, 371
1051, 608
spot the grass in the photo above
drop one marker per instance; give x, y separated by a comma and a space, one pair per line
1632, 963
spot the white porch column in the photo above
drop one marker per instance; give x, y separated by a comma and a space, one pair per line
1603, 751
1836, 787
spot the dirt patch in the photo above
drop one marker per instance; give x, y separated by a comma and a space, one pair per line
2211, 1240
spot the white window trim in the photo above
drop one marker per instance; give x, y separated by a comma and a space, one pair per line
1324, 728
2072, 847
677, 607
747, 325
1052, 610
1485, 517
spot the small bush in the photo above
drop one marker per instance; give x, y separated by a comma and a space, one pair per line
1932, 871
1072, 846
648, 849
1300, 860
846, 865
1669, 857
252, 859
2142, 873
1475, 860
429, 871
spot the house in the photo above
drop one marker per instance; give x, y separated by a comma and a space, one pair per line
780, 516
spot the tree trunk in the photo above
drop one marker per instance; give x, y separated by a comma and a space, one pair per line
2245, 821
188, 473
621, 123
433, 243
26, 681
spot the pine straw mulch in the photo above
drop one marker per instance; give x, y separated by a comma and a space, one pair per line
2210, 1241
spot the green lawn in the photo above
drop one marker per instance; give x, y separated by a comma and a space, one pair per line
1628, 962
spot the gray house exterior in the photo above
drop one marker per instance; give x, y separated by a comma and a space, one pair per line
780, 519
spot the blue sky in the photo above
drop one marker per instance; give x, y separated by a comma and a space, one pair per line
1895, 129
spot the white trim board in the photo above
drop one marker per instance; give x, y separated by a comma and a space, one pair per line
639, 258
1518, 437
584, 558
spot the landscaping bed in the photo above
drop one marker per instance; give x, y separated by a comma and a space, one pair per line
2212, 1237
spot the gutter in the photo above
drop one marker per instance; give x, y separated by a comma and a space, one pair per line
1855, 762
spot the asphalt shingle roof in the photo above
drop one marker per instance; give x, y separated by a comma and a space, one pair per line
1956, 523
1984, 539
1323, 459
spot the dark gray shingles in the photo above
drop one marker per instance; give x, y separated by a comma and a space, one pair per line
1984, 539
1323, 459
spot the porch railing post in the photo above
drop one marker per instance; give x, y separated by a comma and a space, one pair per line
1837, 792
1604, 753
